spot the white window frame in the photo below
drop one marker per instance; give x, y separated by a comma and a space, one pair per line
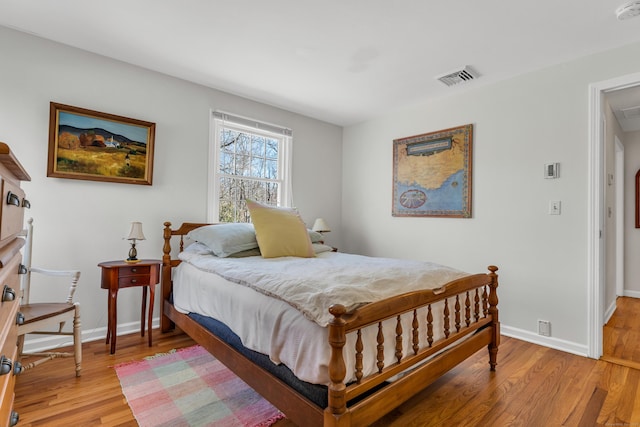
284, 135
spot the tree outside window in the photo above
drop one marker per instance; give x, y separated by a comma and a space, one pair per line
250, 164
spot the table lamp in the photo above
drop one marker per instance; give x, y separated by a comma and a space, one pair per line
134, 234
321, 226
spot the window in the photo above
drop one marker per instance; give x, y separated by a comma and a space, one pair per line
249, 159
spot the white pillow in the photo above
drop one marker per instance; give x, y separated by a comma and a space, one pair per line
226, 239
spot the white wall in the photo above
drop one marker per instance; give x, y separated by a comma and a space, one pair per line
519, 125
631, 141
81, 223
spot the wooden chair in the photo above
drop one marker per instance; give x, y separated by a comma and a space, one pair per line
47, 318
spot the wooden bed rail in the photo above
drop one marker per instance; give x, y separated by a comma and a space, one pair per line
474, 309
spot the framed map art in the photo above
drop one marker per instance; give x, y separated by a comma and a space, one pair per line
432, 174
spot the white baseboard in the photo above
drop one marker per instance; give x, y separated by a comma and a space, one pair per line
558, 344
632, 294
49, 343
40, 343
609, 312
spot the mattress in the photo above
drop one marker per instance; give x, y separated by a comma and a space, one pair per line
276, 328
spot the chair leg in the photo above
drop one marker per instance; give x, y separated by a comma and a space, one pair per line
77, 340
20, 344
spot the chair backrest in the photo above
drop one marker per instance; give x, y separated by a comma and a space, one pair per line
25, 268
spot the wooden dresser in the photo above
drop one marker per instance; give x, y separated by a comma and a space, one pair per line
12, 206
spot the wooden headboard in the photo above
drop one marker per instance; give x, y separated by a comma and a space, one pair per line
168, 263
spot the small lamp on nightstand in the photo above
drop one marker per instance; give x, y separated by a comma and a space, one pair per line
321, 226
134, 234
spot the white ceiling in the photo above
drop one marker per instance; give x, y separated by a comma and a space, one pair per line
342, 61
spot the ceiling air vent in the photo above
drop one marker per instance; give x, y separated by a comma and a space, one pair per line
459, 76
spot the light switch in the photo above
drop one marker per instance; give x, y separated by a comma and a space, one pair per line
554, 207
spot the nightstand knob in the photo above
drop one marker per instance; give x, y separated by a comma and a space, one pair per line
14, 418
17, 368
5, 365
19, 318
8, 294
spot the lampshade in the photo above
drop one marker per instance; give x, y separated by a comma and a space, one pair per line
136, 232
321, 226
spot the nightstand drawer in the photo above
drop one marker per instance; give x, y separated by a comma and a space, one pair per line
133, 270
136, 280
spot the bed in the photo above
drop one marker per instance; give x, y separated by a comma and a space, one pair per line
413, 338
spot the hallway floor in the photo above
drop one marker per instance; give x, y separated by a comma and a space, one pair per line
621, 337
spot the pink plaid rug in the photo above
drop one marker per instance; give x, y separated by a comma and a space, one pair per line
189, 387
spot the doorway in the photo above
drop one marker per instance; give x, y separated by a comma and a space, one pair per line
596, 213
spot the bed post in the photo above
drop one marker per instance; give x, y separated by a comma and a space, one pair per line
336, 412
165, 323
493, 311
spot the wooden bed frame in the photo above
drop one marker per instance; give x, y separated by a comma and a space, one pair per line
470, 323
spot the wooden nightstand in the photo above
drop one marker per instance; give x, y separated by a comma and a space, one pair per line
121, 274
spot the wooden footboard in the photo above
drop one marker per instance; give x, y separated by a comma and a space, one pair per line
469, 322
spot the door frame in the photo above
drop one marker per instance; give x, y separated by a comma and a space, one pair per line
620, 192
595, 211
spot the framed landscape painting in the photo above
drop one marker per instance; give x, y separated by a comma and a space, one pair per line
90, 145
432, 174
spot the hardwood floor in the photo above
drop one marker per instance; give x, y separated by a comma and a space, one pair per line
51, 395
533, 386
621, 334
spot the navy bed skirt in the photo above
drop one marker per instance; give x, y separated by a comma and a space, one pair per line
314, 392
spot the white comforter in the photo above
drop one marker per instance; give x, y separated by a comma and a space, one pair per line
312, 285
274, 327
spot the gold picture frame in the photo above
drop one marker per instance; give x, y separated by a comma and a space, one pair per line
432, 174
90, 145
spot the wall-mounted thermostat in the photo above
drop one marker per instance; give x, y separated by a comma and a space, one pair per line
551, 170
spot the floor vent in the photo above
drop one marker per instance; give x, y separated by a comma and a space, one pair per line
459, 76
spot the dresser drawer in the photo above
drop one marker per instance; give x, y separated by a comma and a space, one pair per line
9, 306
12, 210
10, 347
9, 350
7, 385
6, 408
9, 275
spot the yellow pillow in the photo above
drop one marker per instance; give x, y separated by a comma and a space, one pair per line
280, 231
